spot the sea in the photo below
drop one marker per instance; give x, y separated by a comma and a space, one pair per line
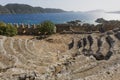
57, 18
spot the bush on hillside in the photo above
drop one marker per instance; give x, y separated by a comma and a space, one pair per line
46, 27
7, 30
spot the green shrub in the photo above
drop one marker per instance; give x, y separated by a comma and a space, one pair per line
46, 27
2, 28
10, 30
7, 30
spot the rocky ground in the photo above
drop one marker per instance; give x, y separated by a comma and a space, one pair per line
25, 58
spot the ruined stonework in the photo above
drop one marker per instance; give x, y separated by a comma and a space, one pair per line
24, 29
93, 56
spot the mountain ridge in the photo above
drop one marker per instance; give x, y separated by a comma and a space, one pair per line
26, 9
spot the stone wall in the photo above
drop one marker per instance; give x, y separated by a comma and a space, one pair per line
27, 29
62, 28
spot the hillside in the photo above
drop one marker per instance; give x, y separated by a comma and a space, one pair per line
25, 58
26, 9
4, 10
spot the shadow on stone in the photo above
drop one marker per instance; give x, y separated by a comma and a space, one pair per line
84, 42
42, 37
108, 55
99, 56
90, 52
71, 44
110, 41
79, 44
85, 52
90, 39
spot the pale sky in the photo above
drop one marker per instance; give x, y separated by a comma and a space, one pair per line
71, 5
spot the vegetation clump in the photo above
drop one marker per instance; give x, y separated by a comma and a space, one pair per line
7, 29
46, 28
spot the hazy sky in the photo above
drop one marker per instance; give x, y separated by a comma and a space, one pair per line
69, 5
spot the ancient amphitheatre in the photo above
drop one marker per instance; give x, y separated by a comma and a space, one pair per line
26, 58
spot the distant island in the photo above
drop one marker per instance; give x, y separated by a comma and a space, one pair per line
117, 12
96, 11
26, 9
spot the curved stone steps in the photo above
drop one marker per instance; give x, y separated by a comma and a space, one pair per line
16, 57
2, 49
67, 67
29, 58
5, 57
34, 55
25, 49
82, 65
87, 66
20, 56
34, 42
74, 65
94, 46
117, 44
85, 70
19, 52
88, 69
31, 46
8, 45
33, 52
105, 46
5, 60
107, 71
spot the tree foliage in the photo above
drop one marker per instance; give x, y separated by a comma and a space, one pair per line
46, 27
7, 29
